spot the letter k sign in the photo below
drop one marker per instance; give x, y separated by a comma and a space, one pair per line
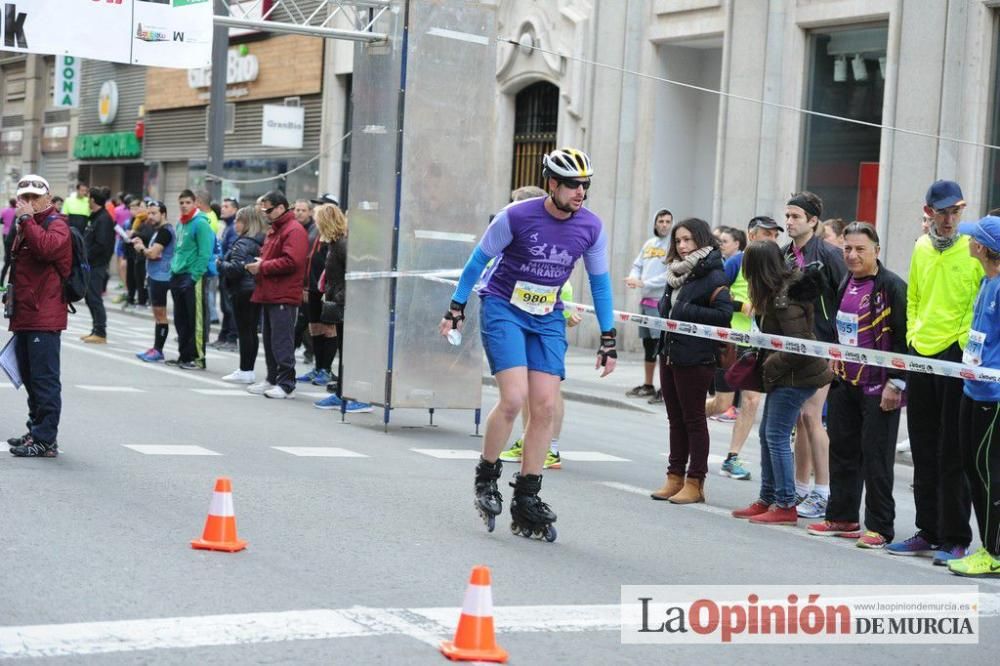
13, 27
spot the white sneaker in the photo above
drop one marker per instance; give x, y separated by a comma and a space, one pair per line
260, 388
278, 393
240, 377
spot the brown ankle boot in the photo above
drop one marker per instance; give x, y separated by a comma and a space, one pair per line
671, 487
692, 493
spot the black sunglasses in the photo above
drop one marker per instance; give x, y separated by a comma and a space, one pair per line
573, 184
33, 183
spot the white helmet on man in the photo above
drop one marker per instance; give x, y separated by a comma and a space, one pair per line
567, 163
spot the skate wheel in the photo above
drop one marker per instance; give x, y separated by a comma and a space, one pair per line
525, 532
515, 528
550, 534
490, 523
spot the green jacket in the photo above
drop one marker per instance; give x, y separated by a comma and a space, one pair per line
195, 242
942, 289
739, 291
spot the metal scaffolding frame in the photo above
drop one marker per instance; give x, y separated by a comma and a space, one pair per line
299, 20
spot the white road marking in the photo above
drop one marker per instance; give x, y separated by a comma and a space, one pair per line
450, 454
428, 625
171, 450
226, 392
110, 389
590, 456
193, 375
319, 452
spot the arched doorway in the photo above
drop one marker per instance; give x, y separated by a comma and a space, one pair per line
536, 118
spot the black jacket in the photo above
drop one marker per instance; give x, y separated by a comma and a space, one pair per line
832, 272
336, 268
695, 304
890, 292
232, 266
318, 250
100, 238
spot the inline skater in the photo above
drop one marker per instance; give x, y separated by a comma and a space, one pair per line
536, 243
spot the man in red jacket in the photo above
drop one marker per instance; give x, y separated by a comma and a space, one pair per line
280, 270
42, 256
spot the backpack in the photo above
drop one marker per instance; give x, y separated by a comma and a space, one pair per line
75, 284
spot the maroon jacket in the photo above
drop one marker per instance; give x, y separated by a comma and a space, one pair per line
283, 263
41, 258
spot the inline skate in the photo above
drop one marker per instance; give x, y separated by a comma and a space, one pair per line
530, 516
489, 501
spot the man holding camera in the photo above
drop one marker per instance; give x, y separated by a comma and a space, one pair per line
42, 256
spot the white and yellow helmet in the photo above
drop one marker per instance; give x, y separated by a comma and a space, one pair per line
567, 163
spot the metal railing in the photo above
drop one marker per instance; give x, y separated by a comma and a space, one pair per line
307, 17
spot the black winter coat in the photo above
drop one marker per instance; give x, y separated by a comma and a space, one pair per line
232, 266
695, 304
100, 238
832, 271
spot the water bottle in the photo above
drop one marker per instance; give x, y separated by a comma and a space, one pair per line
455, 337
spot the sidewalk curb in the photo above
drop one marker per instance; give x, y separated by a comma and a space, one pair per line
578, 396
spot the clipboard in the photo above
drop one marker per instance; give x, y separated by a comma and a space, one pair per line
8, 363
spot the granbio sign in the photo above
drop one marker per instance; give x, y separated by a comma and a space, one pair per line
283, 66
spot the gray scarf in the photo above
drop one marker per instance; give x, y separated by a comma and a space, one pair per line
941, 243
678, 272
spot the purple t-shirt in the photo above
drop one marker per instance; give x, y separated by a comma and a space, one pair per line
532, 246
7, 215
857, 302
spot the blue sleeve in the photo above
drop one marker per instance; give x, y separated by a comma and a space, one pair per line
600, 290
497, 237
732, 267
473, 269
596, 256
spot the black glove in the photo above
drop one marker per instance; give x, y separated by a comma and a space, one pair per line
455, 318
607, 348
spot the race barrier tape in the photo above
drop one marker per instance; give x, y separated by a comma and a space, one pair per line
824, 350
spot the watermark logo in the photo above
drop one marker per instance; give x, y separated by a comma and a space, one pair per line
812, 614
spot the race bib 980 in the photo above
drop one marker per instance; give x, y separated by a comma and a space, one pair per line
533, 298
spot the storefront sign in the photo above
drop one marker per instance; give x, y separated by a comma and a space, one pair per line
107, 103
284, 126
139, 32
66, 94
240, 68
116, 145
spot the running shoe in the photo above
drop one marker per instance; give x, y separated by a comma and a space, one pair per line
329, 402
657, 398
151, 355
838, 528
734, 469
240, 377
354, 407
33, 448
948, 553
980, 564
641, 391
915, 545
306, 378
552, 460
513, 454
727, 416
259, 388
119, 299
278, 393
320, 378
18, 441
814, 506
872, 540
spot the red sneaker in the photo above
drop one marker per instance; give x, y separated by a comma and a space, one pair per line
755, 509
838, 528
776, 515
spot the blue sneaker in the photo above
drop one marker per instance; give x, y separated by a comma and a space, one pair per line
308, 377
321, 378
734, 469
354, 407
915, 545
948, 553
329, 402
150, 356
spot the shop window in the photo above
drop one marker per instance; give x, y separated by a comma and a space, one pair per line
536, 120
840, 160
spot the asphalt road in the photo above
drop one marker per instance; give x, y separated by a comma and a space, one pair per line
364, 556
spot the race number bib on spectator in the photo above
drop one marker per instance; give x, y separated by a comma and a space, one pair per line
973, 354
847, 328
534, 299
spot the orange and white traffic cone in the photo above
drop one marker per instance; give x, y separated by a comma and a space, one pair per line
474, 639
220, 527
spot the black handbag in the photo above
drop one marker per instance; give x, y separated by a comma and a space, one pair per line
333, 313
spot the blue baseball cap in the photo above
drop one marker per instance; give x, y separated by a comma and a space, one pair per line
944, 194
986, 232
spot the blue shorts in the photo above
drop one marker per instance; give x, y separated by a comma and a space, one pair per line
513, 338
